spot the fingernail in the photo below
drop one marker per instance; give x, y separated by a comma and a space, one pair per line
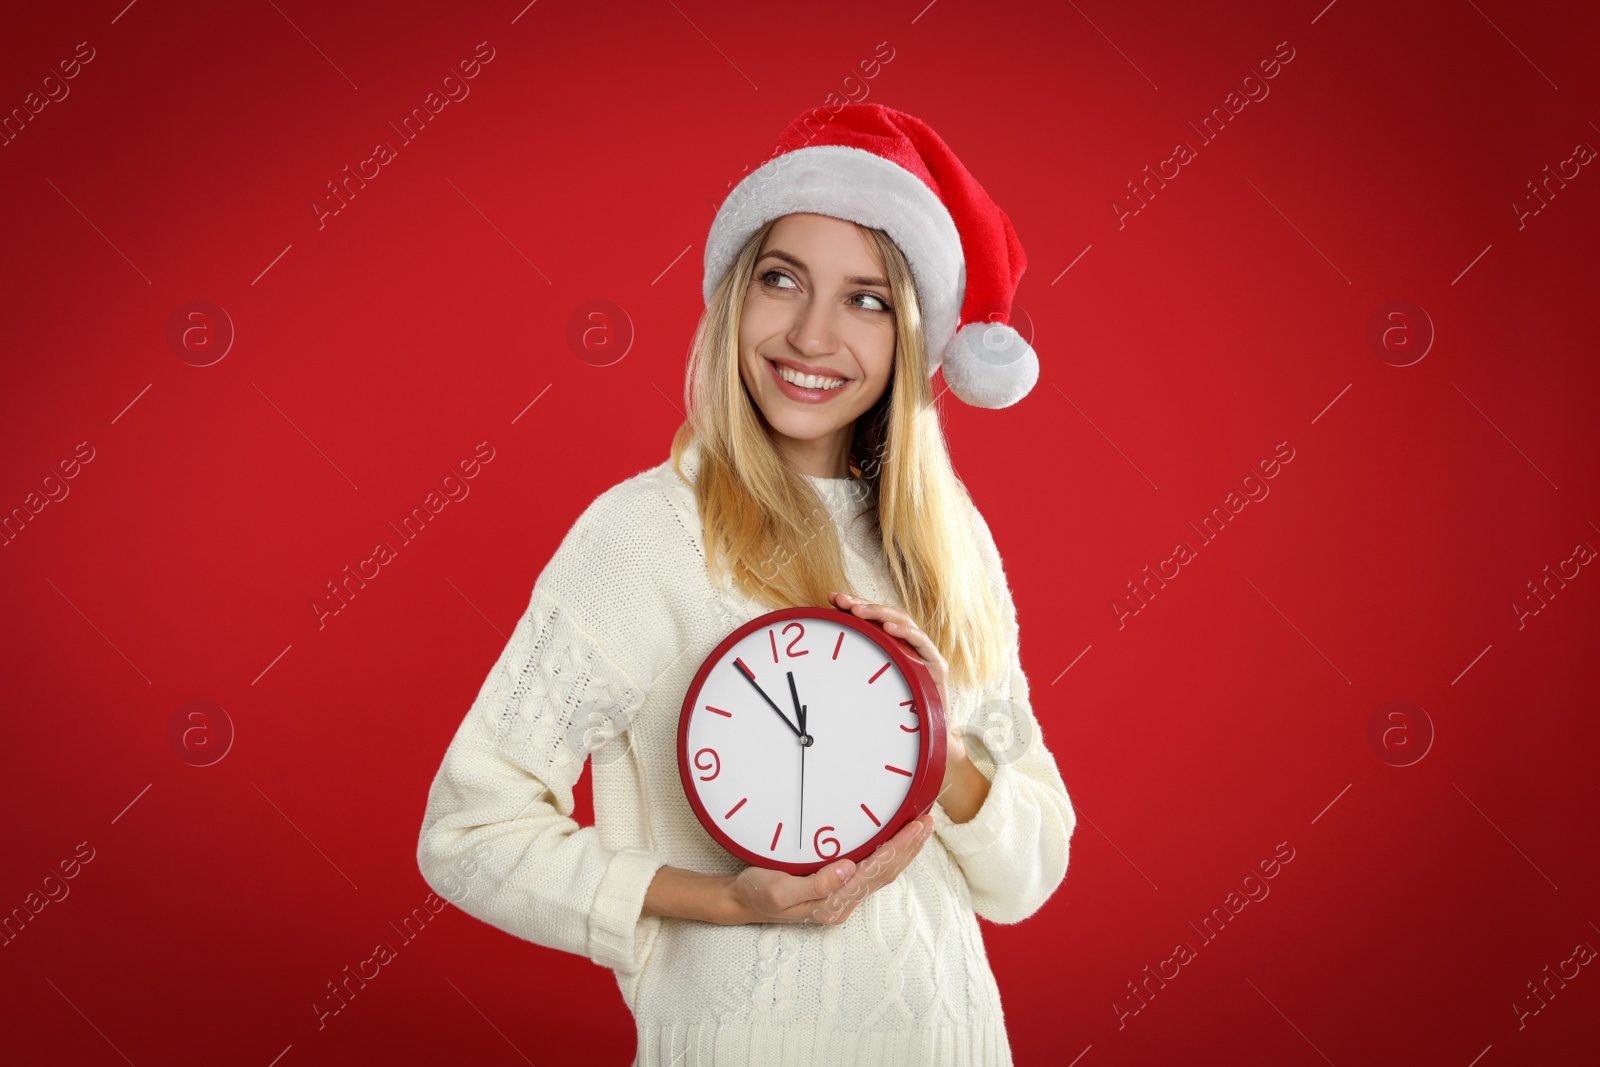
844, 871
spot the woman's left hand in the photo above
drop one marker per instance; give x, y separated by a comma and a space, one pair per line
964, 785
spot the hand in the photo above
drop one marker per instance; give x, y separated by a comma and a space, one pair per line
898, 623
827, 897
964, 787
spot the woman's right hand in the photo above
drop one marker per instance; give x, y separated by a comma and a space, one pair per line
831, 894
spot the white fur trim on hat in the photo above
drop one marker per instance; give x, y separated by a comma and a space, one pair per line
989, 365
869, 190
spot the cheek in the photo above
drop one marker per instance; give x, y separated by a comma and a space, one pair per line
760, 317
748, 339
745, 374
752, 372
879, 362
755, 329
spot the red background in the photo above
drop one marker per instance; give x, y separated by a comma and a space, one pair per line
373, 354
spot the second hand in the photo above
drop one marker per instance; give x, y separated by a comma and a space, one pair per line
801, 822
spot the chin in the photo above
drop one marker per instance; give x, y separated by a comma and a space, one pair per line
802, 428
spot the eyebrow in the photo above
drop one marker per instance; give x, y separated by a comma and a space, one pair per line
775, 253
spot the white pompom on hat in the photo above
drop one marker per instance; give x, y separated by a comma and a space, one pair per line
878, 167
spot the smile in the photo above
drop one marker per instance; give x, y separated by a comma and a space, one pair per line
806, 388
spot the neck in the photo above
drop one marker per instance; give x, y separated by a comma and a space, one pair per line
827, 456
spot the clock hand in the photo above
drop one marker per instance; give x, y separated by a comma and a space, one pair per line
799, 826
744, 671
799, 711
805, 740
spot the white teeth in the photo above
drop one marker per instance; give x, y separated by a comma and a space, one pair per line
807, 381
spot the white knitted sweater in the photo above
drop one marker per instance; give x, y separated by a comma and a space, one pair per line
619, 621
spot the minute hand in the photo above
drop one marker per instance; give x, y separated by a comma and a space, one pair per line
745, 673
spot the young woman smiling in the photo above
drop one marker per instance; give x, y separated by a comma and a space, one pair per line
811, 470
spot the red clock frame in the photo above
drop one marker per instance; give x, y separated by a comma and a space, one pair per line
928, 774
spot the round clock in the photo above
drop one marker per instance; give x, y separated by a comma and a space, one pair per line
810, 735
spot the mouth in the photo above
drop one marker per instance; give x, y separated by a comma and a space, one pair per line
806, 394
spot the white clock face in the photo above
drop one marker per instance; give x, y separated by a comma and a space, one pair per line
778, 797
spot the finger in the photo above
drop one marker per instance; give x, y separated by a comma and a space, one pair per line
923, 645
835, 905
895, 622
878, 870
913, 637
899, 624
869, 610
848, 602
797, 894
917, 638
921, 835
892, 619
891, 864
901, 848
912, 830
776, 893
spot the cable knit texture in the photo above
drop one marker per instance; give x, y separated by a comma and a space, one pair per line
619, 621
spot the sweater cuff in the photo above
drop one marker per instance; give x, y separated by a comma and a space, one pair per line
618, 938
984, 828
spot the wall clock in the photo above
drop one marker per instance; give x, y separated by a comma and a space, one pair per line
810, 735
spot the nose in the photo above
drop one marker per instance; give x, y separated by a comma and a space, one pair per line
812, 331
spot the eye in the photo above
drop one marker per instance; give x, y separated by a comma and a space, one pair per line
883, 305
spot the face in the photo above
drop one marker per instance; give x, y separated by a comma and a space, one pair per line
818, 308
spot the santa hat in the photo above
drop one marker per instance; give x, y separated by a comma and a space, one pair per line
878, 167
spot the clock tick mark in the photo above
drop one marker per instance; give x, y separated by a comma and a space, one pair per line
871, 816
719, 711
886, 767
774, 846
881, 669
736, 807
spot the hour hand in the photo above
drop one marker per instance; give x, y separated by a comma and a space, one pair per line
745, 672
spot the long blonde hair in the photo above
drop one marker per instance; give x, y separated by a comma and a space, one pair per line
765, 523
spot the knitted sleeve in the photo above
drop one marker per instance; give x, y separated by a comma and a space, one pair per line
497, 838
1014, 851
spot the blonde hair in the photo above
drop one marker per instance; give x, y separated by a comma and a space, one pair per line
764, 522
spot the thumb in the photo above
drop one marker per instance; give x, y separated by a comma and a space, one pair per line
827, 884
833, 877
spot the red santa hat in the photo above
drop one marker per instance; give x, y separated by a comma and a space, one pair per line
878, 167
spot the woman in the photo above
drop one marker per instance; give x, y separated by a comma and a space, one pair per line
811, 470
